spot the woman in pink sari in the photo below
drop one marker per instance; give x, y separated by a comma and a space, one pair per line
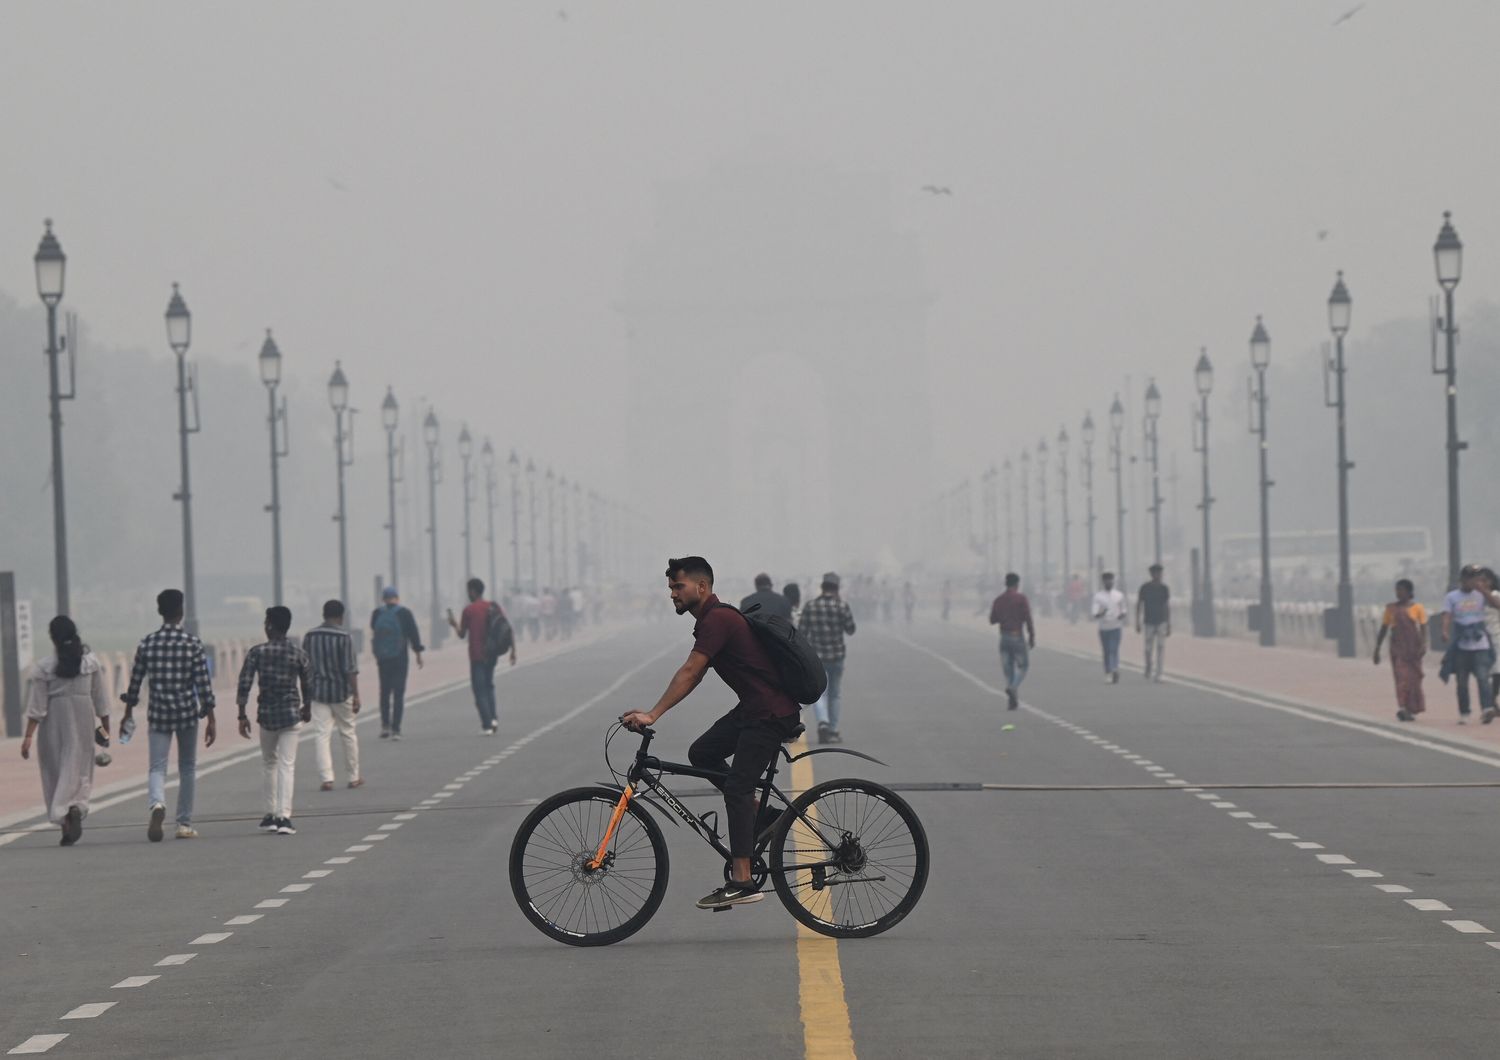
1406, 623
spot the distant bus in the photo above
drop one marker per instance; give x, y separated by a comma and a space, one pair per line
1295, 548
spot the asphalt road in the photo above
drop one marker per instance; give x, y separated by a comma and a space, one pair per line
1139, 903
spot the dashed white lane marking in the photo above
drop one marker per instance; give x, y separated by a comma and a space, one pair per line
1468, 927
296, 888
272, 903
1305, 845
173, 959
452, 787
1364, 874
1494, 945
1222, 805
1392, 888
241, 921
374, 837
1242, 814
404, 817
358, 848
338, 861
316, 874
93, 1010
391, 826
1283, 835
1334, 859
1429, 905
37, 1043
1206, 796
443, 795
210, 938
1174, 781
134, 981
1261, 825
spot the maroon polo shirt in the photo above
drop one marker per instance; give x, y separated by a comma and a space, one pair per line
1011, 612
723, 637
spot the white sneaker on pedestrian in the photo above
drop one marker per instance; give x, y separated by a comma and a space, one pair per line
186, 831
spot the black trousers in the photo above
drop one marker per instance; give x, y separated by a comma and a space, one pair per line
753, 743
392, 691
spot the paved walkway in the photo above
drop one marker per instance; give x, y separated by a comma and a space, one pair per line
1317, 679
20, 785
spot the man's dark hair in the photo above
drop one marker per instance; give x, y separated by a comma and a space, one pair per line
476, 587
690, 567
1405, 583
793, 594
333, 609
1107, 574
169, 604
279, 619
1012, 580
762, 581
1155, 568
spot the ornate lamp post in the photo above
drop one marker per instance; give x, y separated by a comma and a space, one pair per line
1203, 377
1026, 517
389, 417
179, 337
51, 265
465, 453
531, 508
1117, 465
514, 463
434, 475
1010, 537
1448, 256
562, 485
1153, 418
1087, 433
551, 530
338, 400
1041, 482
270, 375
487, 457
1340, 310
1260, 360
1067, 526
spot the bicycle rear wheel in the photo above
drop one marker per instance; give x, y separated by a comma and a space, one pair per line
853, 861
561, 895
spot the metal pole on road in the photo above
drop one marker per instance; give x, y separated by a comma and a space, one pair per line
531, 510
1153, 453
338, 400
1041, 482
1025, 517
1339, 312
515, 521
389, 417
1448, 256
1260, 360
1117, 465
434, 476
465, 452
270, 375
51, 264
551, 531
1010, 536
1062, 471
488, 459
1203, 376
179, 337
1088, 491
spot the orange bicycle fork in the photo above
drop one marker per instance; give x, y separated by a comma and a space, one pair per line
597, 861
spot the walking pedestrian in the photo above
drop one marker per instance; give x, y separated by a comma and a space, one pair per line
1110, 613
1405, 622
283, 705
181, 693
1470, 651
908, 601
480, 617
1011, 611
335, 694
65, 696
549, 613
826, 620
1489, 582
393, 631
767, 599
1153, 616
792, 593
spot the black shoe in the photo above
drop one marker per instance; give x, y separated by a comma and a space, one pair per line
284, 826
1012, 700
1404, 715
1114, 678
153, 830
72, 826
268, 823
823, 731
1489, 715
385, 734
767, 816
730, 894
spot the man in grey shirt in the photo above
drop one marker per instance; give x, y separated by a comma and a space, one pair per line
767, 599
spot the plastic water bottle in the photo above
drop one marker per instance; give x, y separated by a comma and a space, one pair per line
127, 730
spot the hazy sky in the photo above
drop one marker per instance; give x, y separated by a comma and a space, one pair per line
443, 194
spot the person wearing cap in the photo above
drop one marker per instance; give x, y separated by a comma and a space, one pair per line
1470, 650
392, 631
767, 599
826, 620
1153, 618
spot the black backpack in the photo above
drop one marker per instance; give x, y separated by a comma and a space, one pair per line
499, 638
801, 671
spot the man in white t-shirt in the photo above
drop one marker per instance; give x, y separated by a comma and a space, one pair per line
1110, 612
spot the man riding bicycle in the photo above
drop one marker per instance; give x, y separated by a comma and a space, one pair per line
752, 732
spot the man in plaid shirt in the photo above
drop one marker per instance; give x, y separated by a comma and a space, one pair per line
179, 694
825, 622
284, 703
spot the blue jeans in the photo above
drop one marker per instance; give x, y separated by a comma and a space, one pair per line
392, 691
1015, 658
160, 745
1110, 640
828, 707
482, 680
1478, 663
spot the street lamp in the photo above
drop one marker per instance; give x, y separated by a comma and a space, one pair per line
1010, 537
465, 452
1260, 360
1340, 309
515, 521
551, 530
179, 337
270, 375
51, 264
1203, 378
1067, 526
991, 504
1025, 517
531, 509
487, 457
1087, 433
1041, 482
338, 400
1117, 465
434, 475
1153, 418
580, 537
562, 485
389, 417
1448, 256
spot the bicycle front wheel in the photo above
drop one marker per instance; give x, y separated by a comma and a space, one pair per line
564, 898
853, 861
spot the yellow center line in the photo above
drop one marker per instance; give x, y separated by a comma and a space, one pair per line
825, 1014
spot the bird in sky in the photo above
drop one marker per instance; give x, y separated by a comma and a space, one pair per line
934, 189
1347, 15
1322, 234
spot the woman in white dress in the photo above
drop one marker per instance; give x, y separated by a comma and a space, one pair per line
65, 695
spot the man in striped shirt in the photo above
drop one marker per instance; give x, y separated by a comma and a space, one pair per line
334, 690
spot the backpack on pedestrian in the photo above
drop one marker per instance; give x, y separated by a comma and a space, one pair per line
388, 642
801, 671
499, 637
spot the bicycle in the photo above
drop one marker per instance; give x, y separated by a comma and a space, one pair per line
848, 858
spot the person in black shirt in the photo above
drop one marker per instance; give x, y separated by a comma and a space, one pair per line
1153, 619
767, 599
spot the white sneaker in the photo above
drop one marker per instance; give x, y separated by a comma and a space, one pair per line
186, 831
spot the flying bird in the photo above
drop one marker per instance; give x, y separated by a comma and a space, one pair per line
1347, 15
934, 189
